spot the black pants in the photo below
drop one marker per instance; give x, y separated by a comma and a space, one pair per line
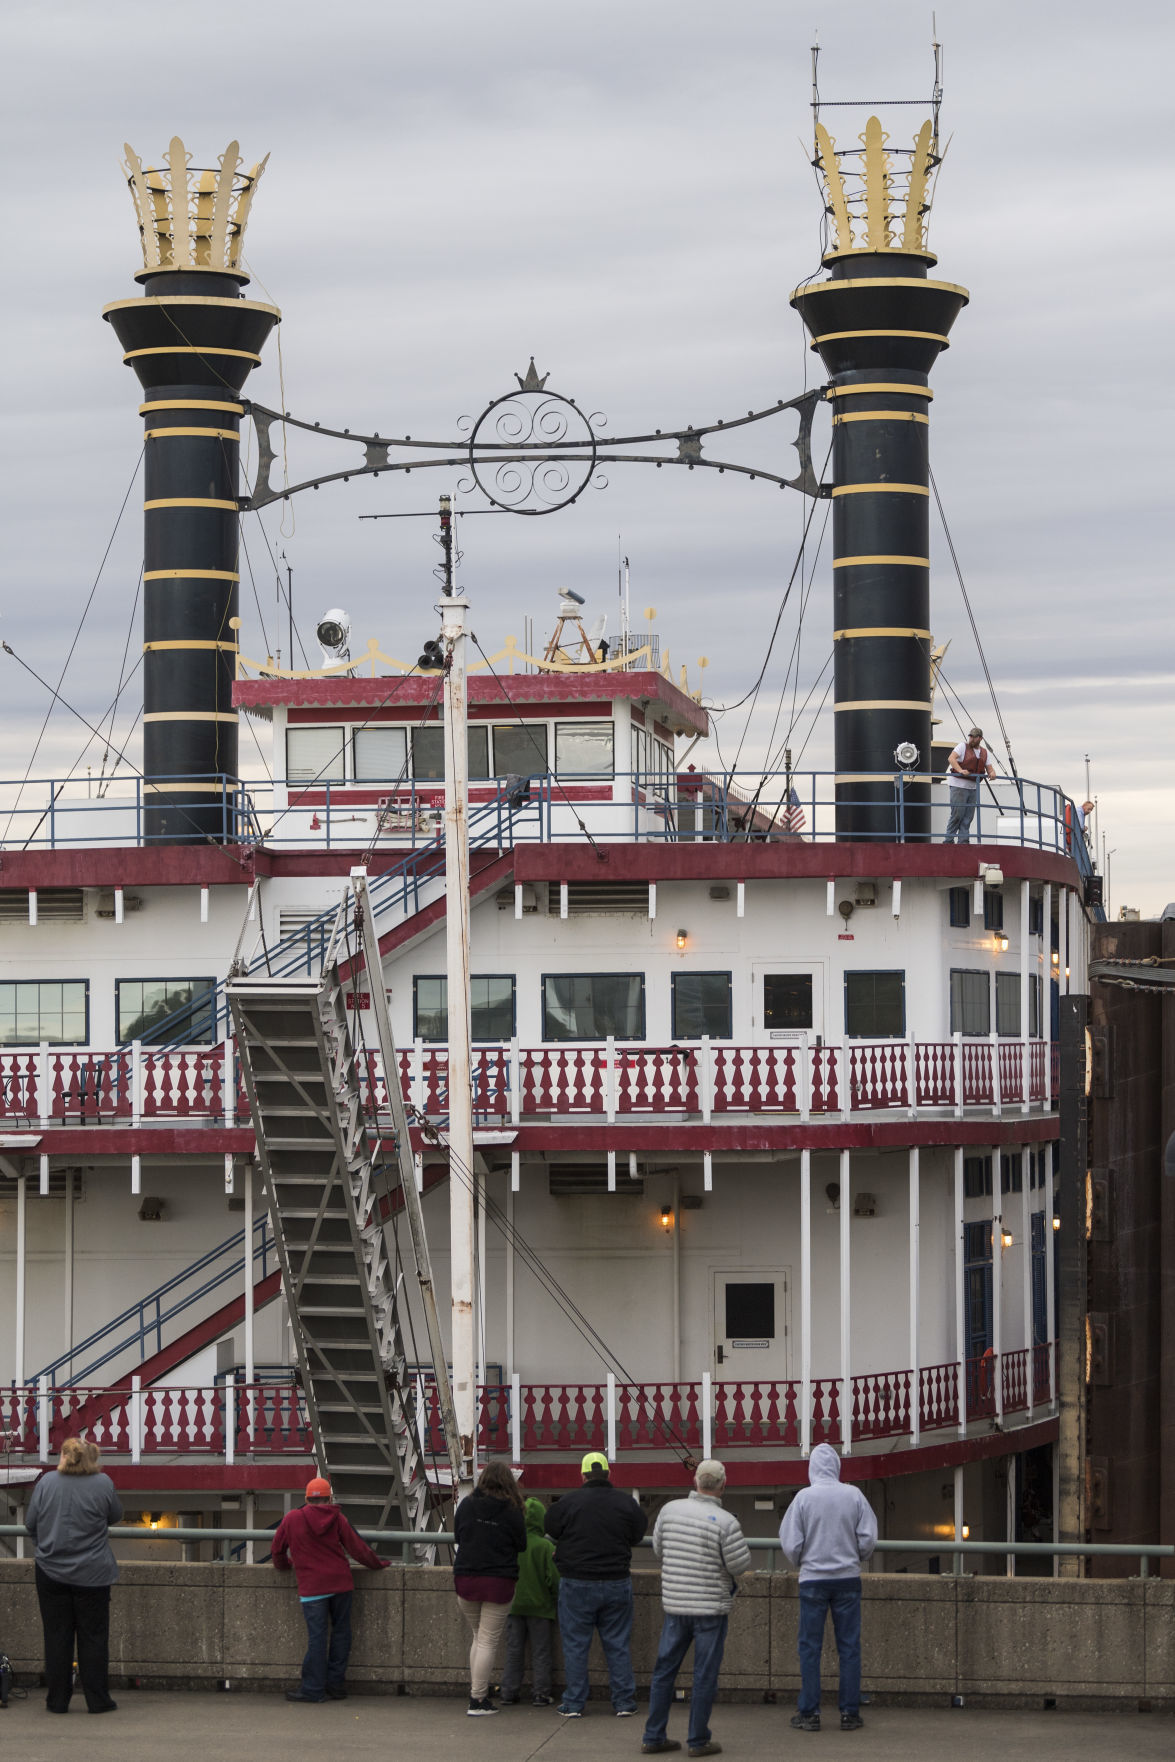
75, 1614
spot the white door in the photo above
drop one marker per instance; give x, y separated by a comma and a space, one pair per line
788, 1002
752, 1324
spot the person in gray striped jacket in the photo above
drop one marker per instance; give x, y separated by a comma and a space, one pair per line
703, 1554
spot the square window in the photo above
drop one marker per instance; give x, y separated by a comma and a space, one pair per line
160, 1011
960, 907
1035, 915
381, 754
976, 1178
315, 755
875, 1005
428, 753
993, 909
970, 1001
55, 1010
491, 1000
701, 1005
1011, 1172
520, 751
750, 1311
584, 749
591, 1006
1007, 1003
787, 1000
1035, 989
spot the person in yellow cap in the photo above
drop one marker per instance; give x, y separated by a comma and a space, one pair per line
317, 1538
594, 1531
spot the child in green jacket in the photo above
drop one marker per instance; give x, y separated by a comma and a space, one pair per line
533, 1612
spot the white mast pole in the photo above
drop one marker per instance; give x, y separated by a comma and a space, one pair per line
461, 1206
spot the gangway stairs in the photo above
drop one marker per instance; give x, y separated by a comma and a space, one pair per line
323, 1181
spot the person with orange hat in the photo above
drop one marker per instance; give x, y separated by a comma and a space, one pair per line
317, 1539
595, 1530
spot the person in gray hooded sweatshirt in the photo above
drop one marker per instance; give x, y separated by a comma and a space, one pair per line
827, 1531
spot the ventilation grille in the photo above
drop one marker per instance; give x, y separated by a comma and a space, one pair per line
566, 1179
58, 905
292, 919
57, 1180
587, 897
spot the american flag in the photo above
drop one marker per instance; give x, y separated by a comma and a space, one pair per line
793, 819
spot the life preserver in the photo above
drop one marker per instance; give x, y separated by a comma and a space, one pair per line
986, 1365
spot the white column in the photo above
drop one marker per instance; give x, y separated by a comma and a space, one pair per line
846, 1371
707, 1414
915, 1278
1010, 1515
1026, 1279
511, 1189
482, 1351
1050, 1249
230, 1082
1025, 974
997, 1281
960, 1306
461, 1193
958, 1517
250, 1365
610, 1415
515, 1417
21, 1252
1046, 1010
676, 1356
67, 1306
136, 1418
805, 1302
44, 1403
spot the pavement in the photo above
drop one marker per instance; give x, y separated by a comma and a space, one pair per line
153, 1725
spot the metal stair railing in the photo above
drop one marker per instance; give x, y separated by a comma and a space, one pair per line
324, 1181
134, 1326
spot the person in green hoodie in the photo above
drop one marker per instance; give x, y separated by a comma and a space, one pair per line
533, 1612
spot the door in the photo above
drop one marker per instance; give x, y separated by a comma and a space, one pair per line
752, 1325
788, 1002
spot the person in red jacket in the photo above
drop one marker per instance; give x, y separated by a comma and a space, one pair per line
317, 1539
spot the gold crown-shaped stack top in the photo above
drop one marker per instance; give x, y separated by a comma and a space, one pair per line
191, 218
878, 200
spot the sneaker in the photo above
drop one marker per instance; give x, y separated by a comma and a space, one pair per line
478, 1709
541, 1701
805, 1722
508, 1700
851, 1722
335, 1694
709, 1748
626, 1712
660, 1747
569, 1712
297, 1695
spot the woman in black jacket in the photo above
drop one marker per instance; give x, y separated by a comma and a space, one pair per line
490, 1526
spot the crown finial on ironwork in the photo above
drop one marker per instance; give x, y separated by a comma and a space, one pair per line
190, 217
532, 382
878, 197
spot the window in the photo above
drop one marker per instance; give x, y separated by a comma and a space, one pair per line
381, 754
976, 1177
1007, 1003
590, 1006
583, 747
970, 1001
315, 755
640, 751
875, 1005
787, 1000
158, 1011
701, 1005
1035, 915
993, 909
750, 1311
520, 752
960, 907
56, 1010
1035, 988
428, 753
1040, 1326
1011, 1172
491, 998
977, 1277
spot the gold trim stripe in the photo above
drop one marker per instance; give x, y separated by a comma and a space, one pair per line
192, 574
197, 349
230, 648
151, 788
191, 300
893, 489
879, 416
840, 336
851, 562
190, 716
880, 630
190, 404
861, 391
884, 703
189, 502
865, 281
229, 434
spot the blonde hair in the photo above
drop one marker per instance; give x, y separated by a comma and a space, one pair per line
79, 1456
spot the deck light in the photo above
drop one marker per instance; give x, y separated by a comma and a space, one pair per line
1006, 1237
1001, 943
667, 1217
1056, 958
682, 938
1056, 1223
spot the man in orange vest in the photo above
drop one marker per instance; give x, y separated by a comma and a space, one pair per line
969, 761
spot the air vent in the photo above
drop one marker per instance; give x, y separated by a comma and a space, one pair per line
292, 919
720, 892
567, 1179
57, 1180
58, 905
587, 898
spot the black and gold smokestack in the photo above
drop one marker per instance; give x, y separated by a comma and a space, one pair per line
192, 340
879, 324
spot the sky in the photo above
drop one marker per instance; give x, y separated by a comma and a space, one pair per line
623, 192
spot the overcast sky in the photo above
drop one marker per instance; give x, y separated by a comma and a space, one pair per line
622, 190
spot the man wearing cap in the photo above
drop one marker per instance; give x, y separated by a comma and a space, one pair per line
317, 1538
594, 1531
969, 761
703, 1555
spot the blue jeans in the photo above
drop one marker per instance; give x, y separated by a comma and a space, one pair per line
963, 805
584, 1605
817, 1597
325, 1664
708, 1634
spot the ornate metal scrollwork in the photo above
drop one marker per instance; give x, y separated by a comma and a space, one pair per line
543, 454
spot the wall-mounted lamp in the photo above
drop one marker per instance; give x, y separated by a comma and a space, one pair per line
1006, 1237
1056, 1223
667, 1217
1001, 942
1056, 958
682, 938
966, 1532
